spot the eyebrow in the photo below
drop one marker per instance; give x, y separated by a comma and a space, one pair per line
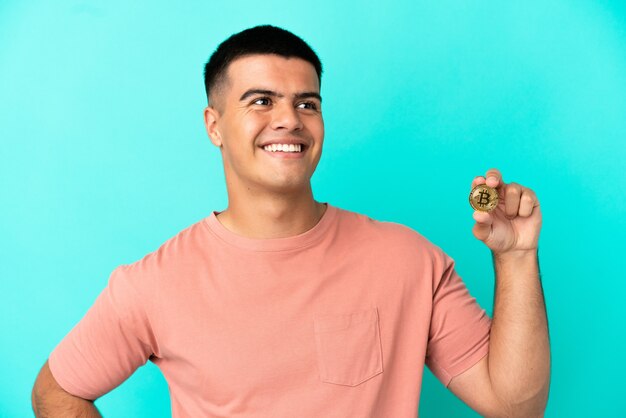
303, 95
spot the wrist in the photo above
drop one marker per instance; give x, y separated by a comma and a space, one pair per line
515, 255
516, 264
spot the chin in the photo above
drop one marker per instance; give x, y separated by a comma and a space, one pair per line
289, 186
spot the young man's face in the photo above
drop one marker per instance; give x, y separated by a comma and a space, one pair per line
268, 99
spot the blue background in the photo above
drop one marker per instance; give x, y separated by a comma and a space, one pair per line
104, 156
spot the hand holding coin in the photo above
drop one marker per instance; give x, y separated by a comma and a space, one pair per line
508, 217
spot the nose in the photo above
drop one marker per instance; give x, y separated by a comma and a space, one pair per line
285, 116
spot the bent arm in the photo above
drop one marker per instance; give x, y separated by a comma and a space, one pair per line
49, 399
513, 380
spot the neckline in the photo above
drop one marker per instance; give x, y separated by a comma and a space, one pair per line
302, 240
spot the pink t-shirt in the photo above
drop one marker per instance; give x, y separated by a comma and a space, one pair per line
335, 322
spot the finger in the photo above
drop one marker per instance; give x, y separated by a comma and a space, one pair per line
478, 180
528, 201
512, 194
494, 177
482, 227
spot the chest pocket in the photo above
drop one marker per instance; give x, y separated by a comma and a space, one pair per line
348, 347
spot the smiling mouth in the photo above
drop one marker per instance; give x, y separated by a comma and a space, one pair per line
285, 149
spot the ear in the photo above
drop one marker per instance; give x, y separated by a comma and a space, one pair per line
211, 116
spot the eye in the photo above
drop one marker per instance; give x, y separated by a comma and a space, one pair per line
307, 105
262, 101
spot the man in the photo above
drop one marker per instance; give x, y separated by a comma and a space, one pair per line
282, 306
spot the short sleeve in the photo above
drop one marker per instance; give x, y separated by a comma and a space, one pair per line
459, 328
109, 343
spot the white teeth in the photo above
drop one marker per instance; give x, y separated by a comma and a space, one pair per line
283, 147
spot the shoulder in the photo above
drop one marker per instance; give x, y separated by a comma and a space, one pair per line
178, 248
390, 235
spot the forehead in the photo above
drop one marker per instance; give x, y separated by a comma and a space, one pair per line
272, 72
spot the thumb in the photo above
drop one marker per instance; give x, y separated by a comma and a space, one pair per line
482, 227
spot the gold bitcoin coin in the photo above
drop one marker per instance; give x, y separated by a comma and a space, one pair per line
484, 198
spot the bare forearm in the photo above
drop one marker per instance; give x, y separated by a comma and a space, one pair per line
519, 354
50, 400
64, 406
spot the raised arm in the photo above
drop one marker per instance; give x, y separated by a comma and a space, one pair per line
514, 379
49, 399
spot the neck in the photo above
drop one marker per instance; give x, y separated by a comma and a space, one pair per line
272, 216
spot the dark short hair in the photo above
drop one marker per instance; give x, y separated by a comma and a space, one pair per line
263, 39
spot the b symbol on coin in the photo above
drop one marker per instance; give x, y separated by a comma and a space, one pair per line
483, 198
